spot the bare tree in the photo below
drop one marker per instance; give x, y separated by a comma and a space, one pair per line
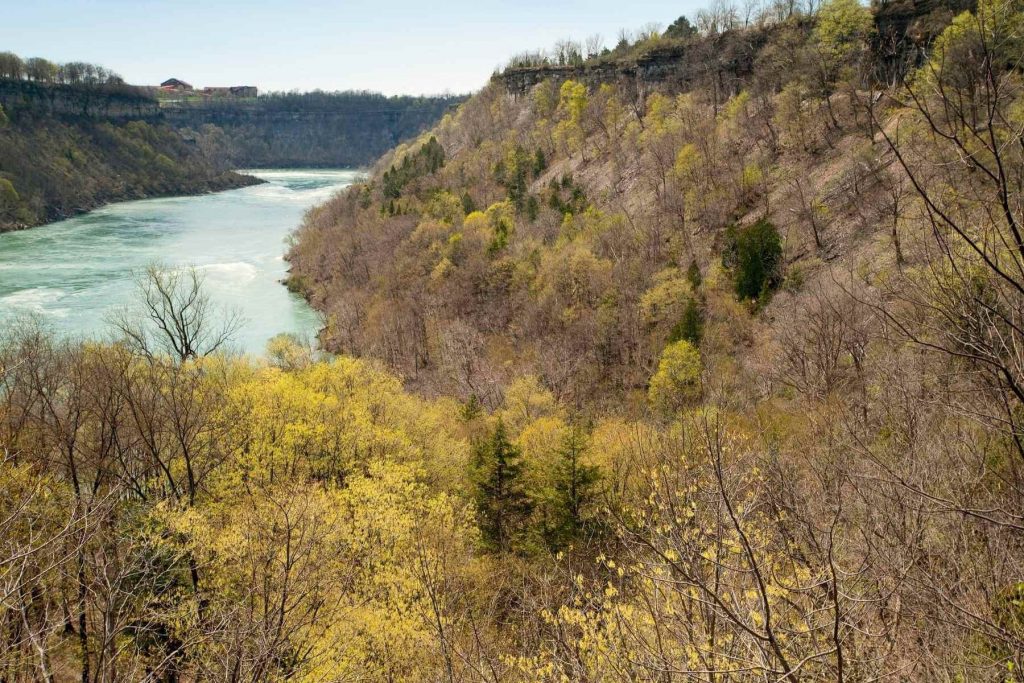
177, 317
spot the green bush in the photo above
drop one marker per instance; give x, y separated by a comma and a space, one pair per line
9, 201
755, 255
424, 161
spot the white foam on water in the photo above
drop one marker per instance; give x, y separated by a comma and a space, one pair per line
35, 300
232, 237
320, 194
272, 191
236, 272
285, 173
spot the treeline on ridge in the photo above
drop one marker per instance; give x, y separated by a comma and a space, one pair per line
42, 70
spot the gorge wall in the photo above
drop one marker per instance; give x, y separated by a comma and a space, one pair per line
32, 100
312, 129
66, 149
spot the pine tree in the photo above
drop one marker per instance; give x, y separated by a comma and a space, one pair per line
693, 275
574, 489
691, 326
540, 163
532, 208
471, 409
755, 254
503, 506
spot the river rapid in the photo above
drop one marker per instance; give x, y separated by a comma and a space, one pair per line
74, 273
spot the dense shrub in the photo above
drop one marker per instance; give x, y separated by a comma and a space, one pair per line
755, 254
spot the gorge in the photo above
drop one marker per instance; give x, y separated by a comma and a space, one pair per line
68, 148
695, 357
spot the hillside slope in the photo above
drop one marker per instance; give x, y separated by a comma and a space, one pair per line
563, 233
792, 290
66, 149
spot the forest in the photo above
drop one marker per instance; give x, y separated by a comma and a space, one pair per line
709, 381
40, 70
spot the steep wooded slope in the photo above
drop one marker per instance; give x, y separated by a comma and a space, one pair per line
564, 232
800, 295
65, 150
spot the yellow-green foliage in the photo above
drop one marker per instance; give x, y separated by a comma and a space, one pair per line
444, 206
572, 102
677, 380
320, 512
842, 27
527, 400
663, 302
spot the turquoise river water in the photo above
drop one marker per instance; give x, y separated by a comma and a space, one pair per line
72, 274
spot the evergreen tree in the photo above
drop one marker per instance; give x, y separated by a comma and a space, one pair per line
755, 253
540, 162
532, 208
681, 28
471, 409
691, 326
503, 506
425, 161
574, 490
500, 239
693, 275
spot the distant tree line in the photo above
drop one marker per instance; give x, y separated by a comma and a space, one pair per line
718, 17
355, 101
44, 71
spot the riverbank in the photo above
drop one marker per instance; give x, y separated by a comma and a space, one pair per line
52, 169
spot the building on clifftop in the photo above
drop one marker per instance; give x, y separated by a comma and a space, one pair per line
175, 84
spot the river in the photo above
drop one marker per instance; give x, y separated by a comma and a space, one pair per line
73, 273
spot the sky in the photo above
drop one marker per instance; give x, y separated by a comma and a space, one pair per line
395, 46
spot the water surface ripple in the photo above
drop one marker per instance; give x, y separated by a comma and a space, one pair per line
73, 273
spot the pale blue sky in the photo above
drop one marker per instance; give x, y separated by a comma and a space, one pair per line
402, 46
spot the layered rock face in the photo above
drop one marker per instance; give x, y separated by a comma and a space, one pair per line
723, 61
338, 131
22, 99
